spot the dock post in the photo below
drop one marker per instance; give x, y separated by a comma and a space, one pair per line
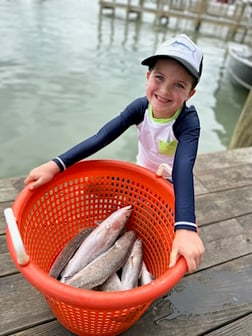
107, 5
202, 11
240, 8
137, 9
242, 135
162, 17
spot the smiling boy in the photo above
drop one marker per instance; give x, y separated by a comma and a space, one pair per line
168, 132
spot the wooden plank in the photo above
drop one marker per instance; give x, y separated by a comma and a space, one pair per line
199, 187
22, 305
9, 188
223, 205
53, 328
201, 302
223, 170
240, 327
223, 159
3, 206
246, 221
7, 266
226, 178
221, 237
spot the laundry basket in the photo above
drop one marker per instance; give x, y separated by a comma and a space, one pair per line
42, 221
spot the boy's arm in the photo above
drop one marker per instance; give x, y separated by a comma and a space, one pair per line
187, 132
187, 241
133, 114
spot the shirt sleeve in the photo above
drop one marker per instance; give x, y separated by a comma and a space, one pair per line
187, 131
132, 115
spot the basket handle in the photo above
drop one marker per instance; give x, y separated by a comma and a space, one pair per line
22, 256
164, 168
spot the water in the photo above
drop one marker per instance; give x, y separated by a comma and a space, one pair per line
199, 291
65, 70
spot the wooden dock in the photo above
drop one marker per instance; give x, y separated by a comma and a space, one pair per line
215, 300
235, 15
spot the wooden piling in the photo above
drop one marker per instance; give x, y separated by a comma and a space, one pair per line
242, 136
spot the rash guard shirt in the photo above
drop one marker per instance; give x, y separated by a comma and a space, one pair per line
173, 141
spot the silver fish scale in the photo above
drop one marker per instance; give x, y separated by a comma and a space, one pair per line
100, 269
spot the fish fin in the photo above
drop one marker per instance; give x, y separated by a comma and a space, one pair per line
131, 261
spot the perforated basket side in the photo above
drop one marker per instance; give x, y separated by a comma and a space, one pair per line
84, 194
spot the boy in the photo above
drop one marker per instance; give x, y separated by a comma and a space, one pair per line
168, 131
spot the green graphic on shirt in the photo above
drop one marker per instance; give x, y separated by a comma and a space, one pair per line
167, 148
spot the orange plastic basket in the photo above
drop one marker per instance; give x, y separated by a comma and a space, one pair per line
50, 216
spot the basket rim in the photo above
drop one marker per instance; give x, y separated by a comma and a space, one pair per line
53, 288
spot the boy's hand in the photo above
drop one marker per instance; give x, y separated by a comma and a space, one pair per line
41, 174
189, 245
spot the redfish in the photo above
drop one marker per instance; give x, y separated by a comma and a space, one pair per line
99, 241
132, 268
101, 268
68, 251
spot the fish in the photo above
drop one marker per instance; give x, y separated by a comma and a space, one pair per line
99, 241
132, 268
101, 268
145, 276
67, 252
112, 284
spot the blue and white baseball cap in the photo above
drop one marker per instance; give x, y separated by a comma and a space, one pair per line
182, 49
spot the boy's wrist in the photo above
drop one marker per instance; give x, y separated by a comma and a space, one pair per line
186, 226
59, 164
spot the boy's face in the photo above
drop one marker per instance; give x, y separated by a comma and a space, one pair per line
169, 85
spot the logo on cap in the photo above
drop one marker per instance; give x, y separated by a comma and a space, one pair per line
182, 49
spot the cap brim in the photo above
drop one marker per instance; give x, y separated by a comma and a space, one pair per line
151, 60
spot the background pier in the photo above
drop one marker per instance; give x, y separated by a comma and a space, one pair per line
236, 15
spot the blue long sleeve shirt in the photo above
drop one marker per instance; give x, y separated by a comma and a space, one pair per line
183, 136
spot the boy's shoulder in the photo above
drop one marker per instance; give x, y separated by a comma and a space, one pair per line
140, 102
189, 108
137, 108
189, 112
187, 119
